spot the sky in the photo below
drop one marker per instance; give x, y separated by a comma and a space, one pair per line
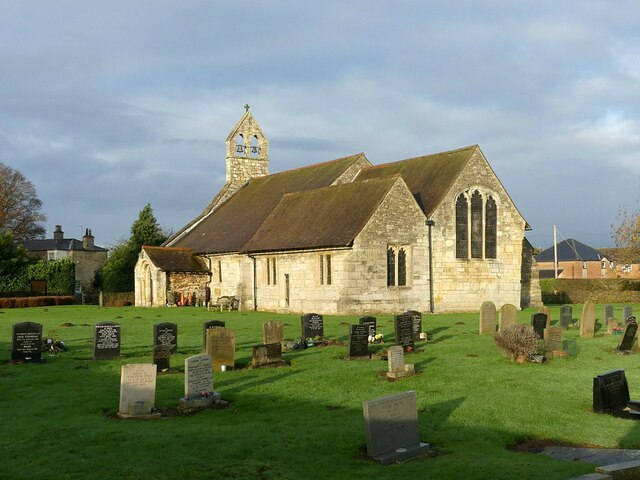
106, 106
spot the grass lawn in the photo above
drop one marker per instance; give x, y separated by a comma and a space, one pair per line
305, 420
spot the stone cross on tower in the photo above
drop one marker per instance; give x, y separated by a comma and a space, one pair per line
247, 107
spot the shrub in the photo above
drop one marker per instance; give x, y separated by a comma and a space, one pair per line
517, 340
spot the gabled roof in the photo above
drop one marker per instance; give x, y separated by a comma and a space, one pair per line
428, 177
324, 217
175, 259
53, 244
569, 250
235, 222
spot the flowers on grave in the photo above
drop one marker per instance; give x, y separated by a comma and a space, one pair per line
204, 394
52, 346
377, 338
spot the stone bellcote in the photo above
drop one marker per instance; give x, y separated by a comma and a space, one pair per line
247, 151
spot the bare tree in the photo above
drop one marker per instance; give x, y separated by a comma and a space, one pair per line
20, 208
626, 234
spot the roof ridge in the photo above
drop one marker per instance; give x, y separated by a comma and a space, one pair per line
335, 160
446, 152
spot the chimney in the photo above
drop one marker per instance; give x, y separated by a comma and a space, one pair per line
87, 240
58, 234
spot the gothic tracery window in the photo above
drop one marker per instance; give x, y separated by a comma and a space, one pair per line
397, 266
476, 225
462, 233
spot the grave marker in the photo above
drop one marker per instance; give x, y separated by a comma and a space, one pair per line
629, 337
207, 326
395, 362
539, 322
272, 332
627, 311
358, 341
106, 341
610, 391
416, 318
312, 326
553, 340
137, 391
267, 355
162, 357
566, 316
487, 318
221, 346
391, 428
608, 313
372, 323
612, 324
198, 383
26, 342
166, 334
507, 316
403, 327
588, 320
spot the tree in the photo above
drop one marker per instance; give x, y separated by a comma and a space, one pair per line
626, 234
13, 257
20, 208
117, 274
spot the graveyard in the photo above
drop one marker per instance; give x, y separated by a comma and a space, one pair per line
298, 413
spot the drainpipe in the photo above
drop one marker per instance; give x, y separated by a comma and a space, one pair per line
430, 223
255, 284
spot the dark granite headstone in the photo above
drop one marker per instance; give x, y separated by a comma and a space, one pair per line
162, 357
539, 323
267, 354
106, 341
566, 315
166, 334
312, 326
610, 391
417, 323
627, 311
403, 327
371, 322
26, 344
629, 337
358, 341
206, 326
608, 313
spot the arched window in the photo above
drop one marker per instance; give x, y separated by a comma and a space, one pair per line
462, 232
402, 267
391, 267
491, 229
476, 225
240, 147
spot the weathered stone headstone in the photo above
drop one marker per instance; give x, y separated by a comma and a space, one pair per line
166, 334
272, 332
553, 339
566, 316
106, 341
539, 321
403, 327
162, 357
137, 391
507, 316
610, 391
487, 318
372, 323
392, 429
267, 355
221, 346
629, 337
607, 312
588, 319
395, 361
545, 310
198, 383
312, 326
417, 323
358, 341
207, 326
612, 324
627, 311
26, 343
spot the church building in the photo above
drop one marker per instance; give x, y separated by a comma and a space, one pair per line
435, 233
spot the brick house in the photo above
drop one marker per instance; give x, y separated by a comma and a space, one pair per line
432, 233
575, 260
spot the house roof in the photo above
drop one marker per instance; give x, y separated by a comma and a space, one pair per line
235, 222
621, 253
325, 217
428, 177
53, 244
171, 259
569, 250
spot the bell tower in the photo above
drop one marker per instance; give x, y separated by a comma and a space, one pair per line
247, 151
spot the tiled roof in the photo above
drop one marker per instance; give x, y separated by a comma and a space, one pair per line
236, 221
52, 244
428, 177
324, 217
175, 259
569, 250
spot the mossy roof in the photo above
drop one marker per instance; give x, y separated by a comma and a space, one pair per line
171, 259
320, 218
428, 177
229, 227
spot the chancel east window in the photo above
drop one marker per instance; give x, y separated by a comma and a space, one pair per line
397, 263
476, 225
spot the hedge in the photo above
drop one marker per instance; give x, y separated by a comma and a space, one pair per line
118, 299
59, 274
606, 290
48, 301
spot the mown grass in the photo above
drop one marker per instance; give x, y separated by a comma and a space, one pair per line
304, 420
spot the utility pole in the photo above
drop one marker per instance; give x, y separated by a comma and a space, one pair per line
555, 252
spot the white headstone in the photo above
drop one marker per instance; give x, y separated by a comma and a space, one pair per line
198, 375
137, 389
